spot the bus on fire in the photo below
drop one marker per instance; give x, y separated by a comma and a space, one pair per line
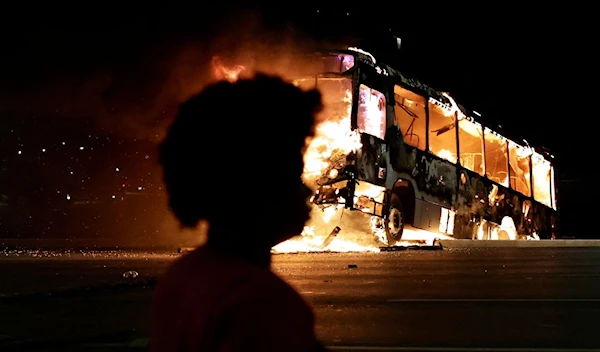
409, 155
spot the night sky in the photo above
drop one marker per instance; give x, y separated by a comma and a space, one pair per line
110, 78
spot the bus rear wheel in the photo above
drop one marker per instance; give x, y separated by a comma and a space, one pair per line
394, 222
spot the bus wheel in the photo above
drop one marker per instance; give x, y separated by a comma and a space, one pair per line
394, 223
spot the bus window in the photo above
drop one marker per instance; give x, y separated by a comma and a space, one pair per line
411, 117
371, 112
496, 161
470, 140
442, 135
518, 160
541, 179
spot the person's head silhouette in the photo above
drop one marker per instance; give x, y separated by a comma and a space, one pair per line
234, 157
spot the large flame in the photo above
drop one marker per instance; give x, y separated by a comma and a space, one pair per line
333, 141
333, 138
352, 238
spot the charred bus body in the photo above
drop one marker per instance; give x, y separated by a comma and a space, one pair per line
417, 158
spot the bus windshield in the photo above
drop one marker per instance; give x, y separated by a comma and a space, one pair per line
336, 94
323, 63
334, 139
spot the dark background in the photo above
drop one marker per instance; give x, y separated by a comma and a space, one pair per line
108, 78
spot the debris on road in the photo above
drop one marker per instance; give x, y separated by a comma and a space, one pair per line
351, 266
131, 274
418, 245
331, 236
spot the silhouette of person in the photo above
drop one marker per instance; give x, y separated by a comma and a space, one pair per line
234, 158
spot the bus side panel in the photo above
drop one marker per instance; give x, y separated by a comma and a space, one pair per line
427, 216
481, 199
545, 221
433, 176
473, 197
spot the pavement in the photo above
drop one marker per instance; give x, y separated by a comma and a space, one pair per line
456, 299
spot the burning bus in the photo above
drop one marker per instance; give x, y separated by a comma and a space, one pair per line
410, 156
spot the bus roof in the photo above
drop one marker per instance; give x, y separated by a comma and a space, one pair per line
417, 86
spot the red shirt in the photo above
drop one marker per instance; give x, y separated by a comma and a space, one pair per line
207, 301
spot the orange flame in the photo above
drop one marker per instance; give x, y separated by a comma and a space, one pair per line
223, 72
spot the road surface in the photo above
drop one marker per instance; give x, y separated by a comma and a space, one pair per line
501, 298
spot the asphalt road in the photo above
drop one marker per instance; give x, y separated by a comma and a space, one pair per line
502, 298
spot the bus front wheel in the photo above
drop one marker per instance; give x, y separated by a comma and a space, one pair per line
394, 222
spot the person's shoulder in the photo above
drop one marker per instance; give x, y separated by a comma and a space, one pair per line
280, 286
184, 271
186, 263
269, 289
205, 268
232, 282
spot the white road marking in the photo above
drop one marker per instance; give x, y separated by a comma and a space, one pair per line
435, 300
144, 343
391, 349
454, 349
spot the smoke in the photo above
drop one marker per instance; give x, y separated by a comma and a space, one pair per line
133, 91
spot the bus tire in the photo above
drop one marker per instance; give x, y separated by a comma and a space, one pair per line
394, 221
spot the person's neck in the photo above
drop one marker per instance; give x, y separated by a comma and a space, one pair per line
240, 246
